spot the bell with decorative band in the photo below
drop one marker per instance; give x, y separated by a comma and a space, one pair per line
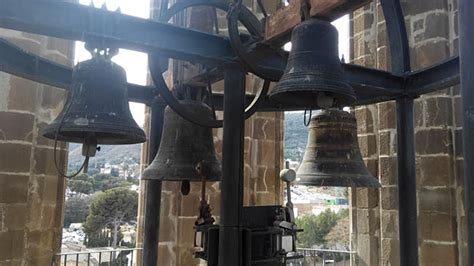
185, 146
313, 77
332, 156
97, 108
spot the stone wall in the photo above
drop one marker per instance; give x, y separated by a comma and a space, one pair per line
31, 193
433, 36
263, 160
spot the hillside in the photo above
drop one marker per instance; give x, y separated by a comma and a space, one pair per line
113, 154
296, 135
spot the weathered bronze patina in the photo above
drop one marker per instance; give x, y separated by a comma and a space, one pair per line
96, 110
313, 74
332, 156
185, 145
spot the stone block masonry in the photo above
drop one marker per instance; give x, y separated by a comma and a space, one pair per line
31, 193
433, 36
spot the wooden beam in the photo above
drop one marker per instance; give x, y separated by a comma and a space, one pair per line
279, 25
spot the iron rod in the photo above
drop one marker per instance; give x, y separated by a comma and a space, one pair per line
466, 37
370, 85
78, 22
152, 193
407, 213
230, 236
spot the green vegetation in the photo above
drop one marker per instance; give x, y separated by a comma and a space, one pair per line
76, 209
296, 136
317, 227
86, 184
108, 211
112, 154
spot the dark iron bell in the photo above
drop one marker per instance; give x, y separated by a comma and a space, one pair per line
97, 110
186, 150
332, 156
313, 77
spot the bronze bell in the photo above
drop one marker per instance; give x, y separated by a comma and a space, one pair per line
332, 156
313, 77
186, 150
97, 110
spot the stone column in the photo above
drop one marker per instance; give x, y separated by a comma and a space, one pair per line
365, 209
433, 39
31, 193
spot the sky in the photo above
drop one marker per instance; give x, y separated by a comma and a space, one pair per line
135, 63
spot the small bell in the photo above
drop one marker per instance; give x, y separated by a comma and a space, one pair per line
313, 77
185, 145
332, 156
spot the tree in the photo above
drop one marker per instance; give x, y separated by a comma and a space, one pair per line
103, 182
76, 210
125, 169
339, 234
111, 209
316, 227
80, 186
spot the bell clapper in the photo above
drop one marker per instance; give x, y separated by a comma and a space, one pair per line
185, 187
89, 149
324, 101
205, 215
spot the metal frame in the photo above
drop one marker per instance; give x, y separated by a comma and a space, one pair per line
407, 206
466, 33
75, 22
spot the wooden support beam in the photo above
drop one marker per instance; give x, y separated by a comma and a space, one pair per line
279, 25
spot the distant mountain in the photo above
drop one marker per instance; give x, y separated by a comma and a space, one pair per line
296, 136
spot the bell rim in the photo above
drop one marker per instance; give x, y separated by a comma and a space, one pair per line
131, 136
308, 98
163, 175
307, 93
329, 180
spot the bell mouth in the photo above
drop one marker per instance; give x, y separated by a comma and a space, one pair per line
306, 94
309, 99
164, 172
108, 137
331, 180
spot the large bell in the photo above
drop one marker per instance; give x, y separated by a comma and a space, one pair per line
185, 146
313, 77
96, 109
332, 156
